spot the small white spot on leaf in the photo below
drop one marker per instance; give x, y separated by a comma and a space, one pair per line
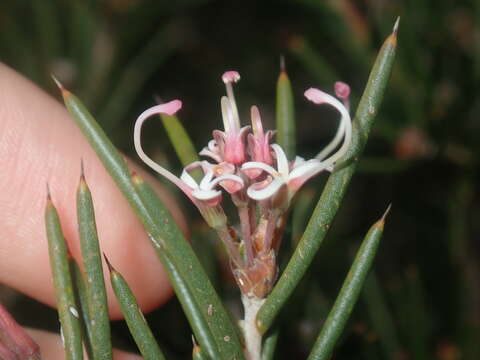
73, 311
61, 336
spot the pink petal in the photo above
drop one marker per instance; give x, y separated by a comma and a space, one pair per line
267, 192
168, 108
214, 155
345, 128
206, 194
282, 162
260, 166
316, 96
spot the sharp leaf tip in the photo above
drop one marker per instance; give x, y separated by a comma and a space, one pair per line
395, 26
385, 214
57, 82
110, 267
283, 67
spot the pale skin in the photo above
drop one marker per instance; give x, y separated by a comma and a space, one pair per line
40, 143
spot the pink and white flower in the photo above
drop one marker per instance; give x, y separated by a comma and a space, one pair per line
257, 175
202, 193
294, 175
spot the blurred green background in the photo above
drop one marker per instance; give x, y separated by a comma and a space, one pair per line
423, 299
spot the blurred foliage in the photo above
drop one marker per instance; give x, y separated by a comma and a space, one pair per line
423, 301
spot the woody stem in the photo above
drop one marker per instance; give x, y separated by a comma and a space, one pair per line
253, 337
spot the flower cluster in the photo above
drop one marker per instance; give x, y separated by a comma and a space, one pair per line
258, 176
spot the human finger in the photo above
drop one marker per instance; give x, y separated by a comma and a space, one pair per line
39, 143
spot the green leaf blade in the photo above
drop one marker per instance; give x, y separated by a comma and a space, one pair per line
381, 318
148, 60
285, 114
205, 307
162, 228
136, 322
335, 187
62, 280
270, 344
81, 295
99, 329
348, 296
180, 139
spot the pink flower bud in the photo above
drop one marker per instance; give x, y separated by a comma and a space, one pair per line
342, 90
258, 144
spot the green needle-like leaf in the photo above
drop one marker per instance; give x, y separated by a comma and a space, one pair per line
82, 27
285, 113
178, 253
46, 30
335, 187
302, 208
133, 77
136, 322
179, 138
62, 280
182, 143
99, 327
380, 317
207, 317
269, 345
348, 296
81, 297
320, 69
